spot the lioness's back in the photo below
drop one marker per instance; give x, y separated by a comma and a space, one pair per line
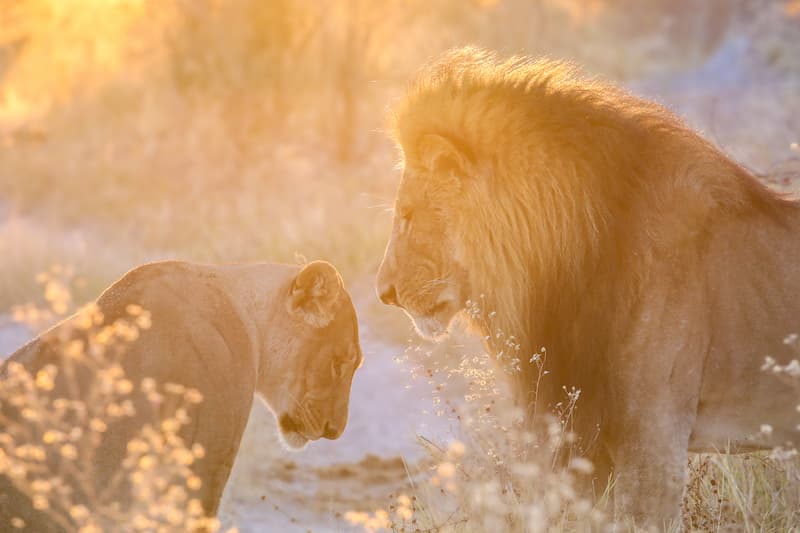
208, 329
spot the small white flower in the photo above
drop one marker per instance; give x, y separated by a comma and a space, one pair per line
581, 465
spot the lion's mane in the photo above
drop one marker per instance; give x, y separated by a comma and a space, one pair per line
588, 185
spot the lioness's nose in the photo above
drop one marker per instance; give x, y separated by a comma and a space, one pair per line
332, 433
388, 295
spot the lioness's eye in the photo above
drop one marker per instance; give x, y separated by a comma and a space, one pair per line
339, 369
405, 221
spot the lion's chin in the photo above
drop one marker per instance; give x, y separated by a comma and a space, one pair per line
431, 328
293, 440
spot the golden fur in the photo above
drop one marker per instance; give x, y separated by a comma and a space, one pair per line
288, 333
656, 271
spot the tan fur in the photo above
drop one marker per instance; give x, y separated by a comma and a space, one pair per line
657, 272
288, 333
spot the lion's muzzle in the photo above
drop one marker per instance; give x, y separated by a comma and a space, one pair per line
388, 295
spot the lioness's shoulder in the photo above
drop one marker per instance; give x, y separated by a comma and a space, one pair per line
152, 283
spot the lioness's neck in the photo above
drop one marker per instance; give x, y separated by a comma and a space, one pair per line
259, 291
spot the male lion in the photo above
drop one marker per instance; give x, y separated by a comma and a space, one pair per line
656, 271
288, 333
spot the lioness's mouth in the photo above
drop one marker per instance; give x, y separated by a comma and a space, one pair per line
289, 424
292, 432
294, 440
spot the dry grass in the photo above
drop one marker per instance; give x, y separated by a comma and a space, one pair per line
55, 418
493, 475
753, 492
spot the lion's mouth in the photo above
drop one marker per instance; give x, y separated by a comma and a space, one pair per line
429, 327
439, 309
434, 324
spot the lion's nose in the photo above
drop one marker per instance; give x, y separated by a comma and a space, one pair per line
388, 295
331, 432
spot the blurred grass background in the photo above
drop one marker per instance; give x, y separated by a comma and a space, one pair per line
234, 130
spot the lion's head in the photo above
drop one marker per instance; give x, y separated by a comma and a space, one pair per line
320, 352
462, 217
423, 270
507, 190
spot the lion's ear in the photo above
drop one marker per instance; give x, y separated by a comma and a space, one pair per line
315, 292
442, 155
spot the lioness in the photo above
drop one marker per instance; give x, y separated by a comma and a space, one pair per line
657, 272
288, 333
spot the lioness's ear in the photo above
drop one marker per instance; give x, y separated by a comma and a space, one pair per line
315, 292
442, 155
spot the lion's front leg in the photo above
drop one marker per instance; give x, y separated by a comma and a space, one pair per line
650, 472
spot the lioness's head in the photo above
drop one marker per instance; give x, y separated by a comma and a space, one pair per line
309, 389
423, 269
